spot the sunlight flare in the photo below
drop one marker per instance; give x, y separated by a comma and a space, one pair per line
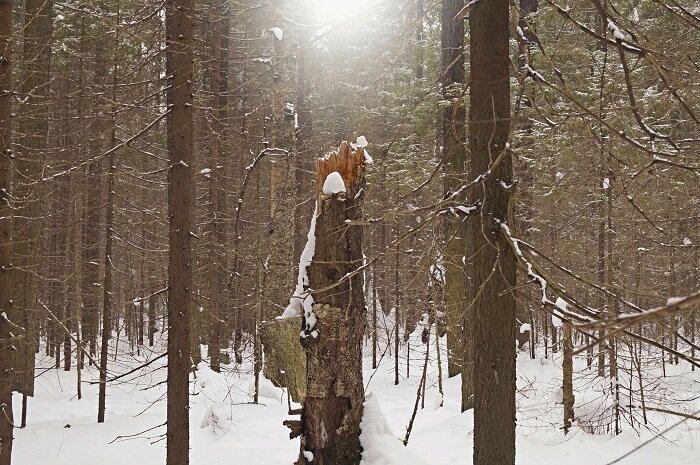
334, 9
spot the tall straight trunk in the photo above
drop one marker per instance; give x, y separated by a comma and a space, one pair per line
74, 303
279, 275
567, 378
672, 291
238, 119
374, 317
33, 142
152, 328
257, 343
217, 281
611, 303
140, 322
438, 356
6, 326
454, 156
603, 49
334, 319
550, 321
55, 265
419, 45
141, 258
692, 325
179, 16
601, 300
397, 312
303, 131
492, 269
90, 287
107, 288
81, 321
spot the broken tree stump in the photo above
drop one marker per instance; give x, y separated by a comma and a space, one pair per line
334, 315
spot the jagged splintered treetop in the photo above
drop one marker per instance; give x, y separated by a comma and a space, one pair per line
348, 161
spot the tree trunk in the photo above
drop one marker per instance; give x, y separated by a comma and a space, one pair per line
454, 156
303, 131
179, 16
567, 378
107, 298
152, 328
217, 227
93, 206
33, 128
397, 314
279, 275
6, 326
492, 269
333, 326
419, 45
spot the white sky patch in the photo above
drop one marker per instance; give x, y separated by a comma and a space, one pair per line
337, 9
556, 321
561, 304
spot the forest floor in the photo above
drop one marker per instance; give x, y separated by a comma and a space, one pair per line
226, 427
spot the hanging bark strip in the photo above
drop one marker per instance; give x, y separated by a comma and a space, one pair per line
335, 324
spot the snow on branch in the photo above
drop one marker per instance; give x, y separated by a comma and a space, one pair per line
591, 318
560, 306
625, 320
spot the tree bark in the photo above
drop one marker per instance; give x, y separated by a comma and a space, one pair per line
107, 301
179, 57
333, 327
33, 128
279, 275
419, 45
6, 326
303, 131
217, 198
454, 156
567, 378
492, 267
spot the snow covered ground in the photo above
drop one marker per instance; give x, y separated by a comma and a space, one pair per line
227, 428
